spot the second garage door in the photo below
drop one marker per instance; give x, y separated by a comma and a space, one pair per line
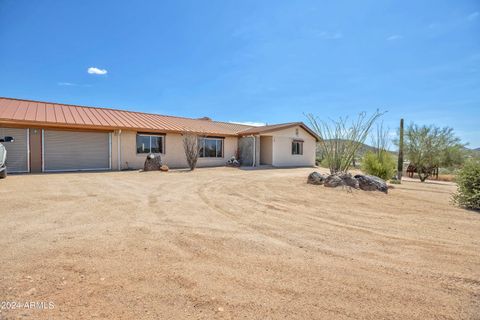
72, 151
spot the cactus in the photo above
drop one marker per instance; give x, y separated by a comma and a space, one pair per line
400, 153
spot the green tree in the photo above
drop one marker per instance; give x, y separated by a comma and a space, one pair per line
428, 147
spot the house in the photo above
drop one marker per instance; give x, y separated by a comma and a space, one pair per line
53, 137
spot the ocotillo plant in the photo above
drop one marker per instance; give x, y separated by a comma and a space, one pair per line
341, 139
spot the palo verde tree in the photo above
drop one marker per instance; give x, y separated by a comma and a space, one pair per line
341, 139
430, 147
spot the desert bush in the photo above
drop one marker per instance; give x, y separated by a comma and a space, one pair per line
380, 164
468, 190
190, 145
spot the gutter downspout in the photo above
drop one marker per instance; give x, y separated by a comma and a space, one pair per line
254, 150
119, 155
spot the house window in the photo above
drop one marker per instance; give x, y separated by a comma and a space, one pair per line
210, 147
297, 147
150, 143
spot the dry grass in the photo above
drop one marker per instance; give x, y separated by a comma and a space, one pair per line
226, 243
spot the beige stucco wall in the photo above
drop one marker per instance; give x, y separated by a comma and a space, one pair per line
173, 156
266, 149
282, 148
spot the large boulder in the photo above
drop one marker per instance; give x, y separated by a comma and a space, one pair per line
371, 183
333, 181
152, 163
316, 178
341, 179
350, 181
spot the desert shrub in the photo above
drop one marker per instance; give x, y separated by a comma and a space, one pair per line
380, 164
468, 180
191, 148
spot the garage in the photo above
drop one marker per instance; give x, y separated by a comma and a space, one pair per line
17, 151
76, 150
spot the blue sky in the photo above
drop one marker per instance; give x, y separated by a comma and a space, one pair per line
259, 61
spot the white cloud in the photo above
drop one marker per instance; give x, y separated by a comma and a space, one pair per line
330, 35
71, 84
94, 70
394, 37
249, 123
473, 16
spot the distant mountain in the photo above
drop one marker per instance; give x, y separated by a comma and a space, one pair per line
477, 149
364, 148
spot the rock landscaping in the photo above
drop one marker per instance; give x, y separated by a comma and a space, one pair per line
371, 183
316, 178
363, 182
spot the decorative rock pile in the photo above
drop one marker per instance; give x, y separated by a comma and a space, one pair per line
153, 163
363, 182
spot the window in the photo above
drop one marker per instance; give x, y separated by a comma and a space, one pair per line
297, 147
210, 147
147, 143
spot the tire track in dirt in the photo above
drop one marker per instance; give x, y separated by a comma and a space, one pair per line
283, 215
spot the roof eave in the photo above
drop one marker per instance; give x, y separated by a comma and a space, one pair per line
35, 124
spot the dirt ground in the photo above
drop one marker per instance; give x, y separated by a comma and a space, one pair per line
228, 244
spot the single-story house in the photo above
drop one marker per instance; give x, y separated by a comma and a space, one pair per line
53, 137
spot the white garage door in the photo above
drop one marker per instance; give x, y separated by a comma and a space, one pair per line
74, 151
17, 151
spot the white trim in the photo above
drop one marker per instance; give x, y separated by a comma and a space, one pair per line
254, 151
119, 145
43, 150
110, 151
28, 150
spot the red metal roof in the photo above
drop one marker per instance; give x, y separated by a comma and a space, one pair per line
47, 114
